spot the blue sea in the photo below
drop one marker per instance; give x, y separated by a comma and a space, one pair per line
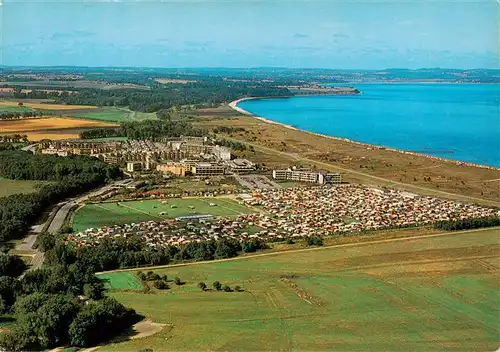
455, 121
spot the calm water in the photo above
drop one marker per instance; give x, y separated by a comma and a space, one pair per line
456, 121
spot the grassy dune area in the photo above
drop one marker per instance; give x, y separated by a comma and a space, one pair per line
105, 214
278, 146
437, 293
115, 114
8, 187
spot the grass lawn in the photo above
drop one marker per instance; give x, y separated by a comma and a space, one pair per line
8, 187
438, 293
115, 114
104, 214
121, 281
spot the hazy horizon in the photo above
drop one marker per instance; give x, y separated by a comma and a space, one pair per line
371, 35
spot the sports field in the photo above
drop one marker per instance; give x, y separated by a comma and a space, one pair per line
115, 114
105, 214
121, 281
439, 293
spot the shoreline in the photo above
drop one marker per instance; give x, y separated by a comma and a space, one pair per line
234, 105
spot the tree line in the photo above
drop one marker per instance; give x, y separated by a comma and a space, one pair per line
12, 115
211, 93
467, 224
145, 130
70, 176
111, 253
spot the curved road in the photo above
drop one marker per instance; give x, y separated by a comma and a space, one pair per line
56, 222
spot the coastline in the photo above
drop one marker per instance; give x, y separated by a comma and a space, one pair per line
234, 105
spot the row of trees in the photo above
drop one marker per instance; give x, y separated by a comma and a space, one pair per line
148, 129
110, 253
467, 224
10, 115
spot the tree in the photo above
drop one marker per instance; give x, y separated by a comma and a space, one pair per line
238, 288
217, 285
160, 284
20, 103
93, 291
202, 286
177, 281
226, 288
11, 265
314, 241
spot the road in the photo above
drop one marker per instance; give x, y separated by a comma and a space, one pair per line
406, 186
30, 148
56, 222
399, 239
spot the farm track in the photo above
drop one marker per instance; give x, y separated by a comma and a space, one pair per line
345, 245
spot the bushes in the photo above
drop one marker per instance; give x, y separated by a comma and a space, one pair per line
314, 241
467, 224
159, 282
11, 265
49, 320
98, 321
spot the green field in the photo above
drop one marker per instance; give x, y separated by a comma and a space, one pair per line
105, 214
8, 187
14, 109
121, 281
115, 114
440, 293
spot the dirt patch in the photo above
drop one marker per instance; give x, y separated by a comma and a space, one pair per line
303, 294
144, 328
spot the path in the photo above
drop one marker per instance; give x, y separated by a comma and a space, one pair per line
407, 186
400, 239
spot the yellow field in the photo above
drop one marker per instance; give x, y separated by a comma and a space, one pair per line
47, 106
47, 124
54, 136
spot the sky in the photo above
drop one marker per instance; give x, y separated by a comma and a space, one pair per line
297, 34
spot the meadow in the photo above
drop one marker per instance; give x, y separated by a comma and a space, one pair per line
106, 214
9, 187
121, 281
438, 293
15, 108
43, 106
114, 114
